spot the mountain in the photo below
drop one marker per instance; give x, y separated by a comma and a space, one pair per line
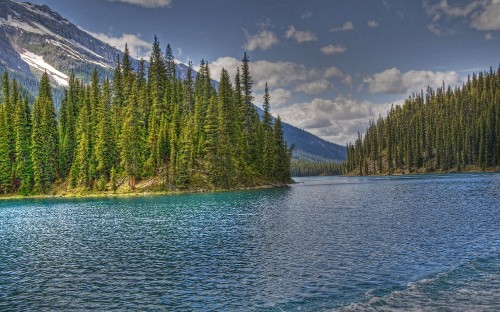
34, 39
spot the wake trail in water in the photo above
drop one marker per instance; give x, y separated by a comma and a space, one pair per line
474, 286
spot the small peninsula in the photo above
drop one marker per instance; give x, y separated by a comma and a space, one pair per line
146, 130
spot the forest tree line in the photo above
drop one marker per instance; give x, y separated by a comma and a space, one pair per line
143, 123
307, 168
442, 130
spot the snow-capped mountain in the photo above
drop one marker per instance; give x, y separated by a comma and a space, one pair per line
35, 39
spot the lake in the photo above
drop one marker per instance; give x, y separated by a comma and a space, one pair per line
428, 242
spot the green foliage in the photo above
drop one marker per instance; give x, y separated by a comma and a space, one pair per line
440, 130
44, 139
24, 164
130, 143
304, 168
148, 124
5, 165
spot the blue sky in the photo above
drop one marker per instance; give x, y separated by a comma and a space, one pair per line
331, 65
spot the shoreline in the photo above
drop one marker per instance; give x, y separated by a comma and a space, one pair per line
137, 193
468, 169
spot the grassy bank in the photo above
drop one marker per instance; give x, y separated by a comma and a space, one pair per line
146, 187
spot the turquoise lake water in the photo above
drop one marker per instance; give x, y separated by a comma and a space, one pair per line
429, 242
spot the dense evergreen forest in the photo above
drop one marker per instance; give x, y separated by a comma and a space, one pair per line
304, 168
144, 123
441, 130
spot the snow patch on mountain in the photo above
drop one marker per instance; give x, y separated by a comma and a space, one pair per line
84, 48
77, 55
37, 62
13, 22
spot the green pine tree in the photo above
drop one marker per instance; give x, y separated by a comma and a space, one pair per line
44, 139
24, 165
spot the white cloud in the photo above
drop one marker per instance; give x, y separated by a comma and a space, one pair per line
440, 30
372, 24
337, 120
229, 63
299, 35
489, 36
483, 15
281, 74
148, 3
489, 18
136, 45
279, 97
314, 87
333, 49
345, 27
347, 80
306, 15
443, 8
277, 74
263, 40
333, 72
392, 81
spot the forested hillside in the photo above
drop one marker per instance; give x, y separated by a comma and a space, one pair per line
441, 130
143, 124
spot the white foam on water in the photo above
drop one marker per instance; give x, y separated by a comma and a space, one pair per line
472, 286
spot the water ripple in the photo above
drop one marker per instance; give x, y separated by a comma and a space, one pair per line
397, 243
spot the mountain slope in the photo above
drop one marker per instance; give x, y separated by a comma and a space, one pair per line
34, 39
45, 41
309, 147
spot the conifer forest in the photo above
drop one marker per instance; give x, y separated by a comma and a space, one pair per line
440, 131
143, 123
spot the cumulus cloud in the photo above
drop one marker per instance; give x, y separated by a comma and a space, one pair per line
442, 8
283, 74
345, 27
263, 40
489, 18
300, 36
136, 45
332, 49
314, 87
147, 3
372, 24
334, 72
279, 97
337, 120
347, 80
277, 74
483, 15
392, 81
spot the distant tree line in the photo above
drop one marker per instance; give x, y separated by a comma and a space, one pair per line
440, 130
143, 123
304, 168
